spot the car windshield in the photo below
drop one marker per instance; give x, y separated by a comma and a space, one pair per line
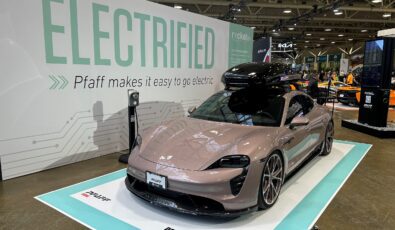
253, 107
339, 84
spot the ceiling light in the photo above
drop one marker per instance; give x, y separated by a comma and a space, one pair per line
328, 29
363, 31
335, 10
318, 44
377, 1
350, 39
287, 11
305, 46
253, 27
295, 24
339, 12
386, 15
291, 28
341, 35
322, 39
333, 42
307, 41
177, 6
308, 34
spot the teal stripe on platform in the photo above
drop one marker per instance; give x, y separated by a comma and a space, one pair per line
304, 215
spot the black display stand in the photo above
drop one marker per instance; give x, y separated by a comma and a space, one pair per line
375, 89
133, 98
382, 132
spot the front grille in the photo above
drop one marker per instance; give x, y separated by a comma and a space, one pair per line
175, 199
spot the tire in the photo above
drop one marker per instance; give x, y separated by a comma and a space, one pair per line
326, 146
271, 181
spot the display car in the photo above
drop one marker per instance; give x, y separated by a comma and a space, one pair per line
348, 95
391, 100
352, 95
333, 88
233, 153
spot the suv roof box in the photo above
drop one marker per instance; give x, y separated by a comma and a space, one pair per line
258, 74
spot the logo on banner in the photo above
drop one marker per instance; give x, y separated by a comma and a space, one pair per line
95, 195
285, 45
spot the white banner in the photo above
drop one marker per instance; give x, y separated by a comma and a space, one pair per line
66, 66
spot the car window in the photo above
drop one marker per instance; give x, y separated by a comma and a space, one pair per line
339, 84
251, 107
300, 105
295, 109
307, 104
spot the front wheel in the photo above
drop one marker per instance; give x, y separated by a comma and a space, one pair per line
326, 146
271, 181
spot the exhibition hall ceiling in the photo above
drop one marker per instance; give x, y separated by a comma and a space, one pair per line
307, 23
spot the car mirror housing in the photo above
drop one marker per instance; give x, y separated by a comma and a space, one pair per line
299, 121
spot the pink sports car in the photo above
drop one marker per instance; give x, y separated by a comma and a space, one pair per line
232, 154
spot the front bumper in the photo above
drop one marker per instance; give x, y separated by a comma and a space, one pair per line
180, 202
347, 97
213, 184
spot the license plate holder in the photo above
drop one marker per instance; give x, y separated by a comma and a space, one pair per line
156, 180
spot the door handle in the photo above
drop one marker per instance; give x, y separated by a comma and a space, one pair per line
289, 140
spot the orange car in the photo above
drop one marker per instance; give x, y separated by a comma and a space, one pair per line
352, 95
391, 102
347, 95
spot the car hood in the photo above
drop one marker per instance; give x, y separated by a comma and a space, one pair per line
195, 144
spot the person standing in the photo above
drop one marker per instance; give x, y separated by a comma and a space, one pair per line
350, 78
334, 76
322, 75
312, 88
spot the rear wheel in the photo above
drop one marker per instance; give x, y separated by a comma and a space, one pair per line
271, 181
326, 146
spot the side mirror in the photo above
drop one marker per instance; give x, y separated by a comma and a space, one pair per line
191, 109
298, 121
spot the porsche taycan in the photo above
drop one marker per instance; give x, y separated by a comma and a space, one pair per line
231, 155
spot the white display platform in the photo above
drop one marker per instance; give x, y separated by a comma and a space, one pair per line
104, 202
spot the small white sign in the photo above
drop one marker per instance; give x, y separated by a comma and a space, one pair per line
156, 180
368, 99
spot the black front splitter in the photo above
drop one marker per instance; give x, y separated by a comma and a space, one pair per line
163, 202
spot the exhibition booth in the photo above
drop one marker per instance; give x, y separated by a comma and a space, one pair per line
190, 119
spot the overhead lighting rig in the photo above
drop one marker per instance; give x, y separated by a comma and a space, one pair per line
233, 10
315, 11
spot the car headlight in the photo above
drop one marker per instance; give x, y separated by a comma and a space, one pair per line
236, 161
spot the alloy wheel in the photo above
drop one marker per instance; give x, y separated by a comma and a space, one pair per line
329, 137
272, 179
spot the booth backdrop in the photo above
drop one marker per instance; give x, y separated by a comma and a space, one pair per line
66, 66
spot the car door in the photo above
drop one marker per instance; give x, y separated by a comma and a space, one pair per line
300, 140
315, 125
293, 145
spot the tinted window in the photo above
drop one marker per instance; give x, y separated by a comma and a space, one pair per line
245, 106
295, 109
339, 84
299, 105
